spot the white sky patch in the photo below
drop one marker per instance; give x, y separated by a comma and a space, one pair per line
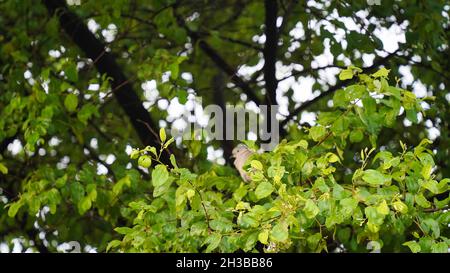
94, 143
187, 77
101, 169
162, 123
15, 147
94, 87
251, 106
175, 109
282, 70
27, 74
308, 117
303, 89
283, 103
17, 248
329, 75
391, 37
179, 124
215, 155
54, 53
406, 122
246, 71
110, 159
73, 2
110, 33
4, 248
163, 104
419, 89
252, 136
324, 59
368, 59
201, 117
407, 77
93, 26
433, 133
350, 24
150, 91
298, 31
149, 85
447, 97
279, 21
147, 104
128, 149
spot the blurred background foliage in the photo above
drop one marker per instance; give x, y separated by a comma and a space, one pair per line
82, 82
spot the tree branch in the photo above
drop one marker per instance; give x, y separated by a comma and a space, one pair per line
106, 64
219, 61
270, 50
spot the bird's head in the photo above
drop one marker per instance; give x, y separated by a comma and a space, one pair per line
238, 149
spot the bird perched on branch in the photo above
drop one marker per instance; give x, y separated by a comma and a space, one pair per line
240, 154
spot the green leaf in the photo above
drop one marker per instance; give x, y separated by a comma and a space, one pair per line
339, 192
263, 190
441, 247
344, 234
162, 134
263, 236
60, 182
118, 186
317, 132
71, 102
145, 161
313, 240
279, 232
375, 178
213, 241
71, 72
86, 112
222, 225
113, 244
432, 224
355, 91
339, 99
346, 74
431, 185
182, 96
3, 169
382, 72
356, 136
123, 230
173, 161
348, 206
411, 115
311, 209
14, 208
383, 208
332, 158
77, 191
161, 180
160, 175
422, 201
400, 207
256, 165
135, 154
170, 141
84, 205
321, 185
174, 70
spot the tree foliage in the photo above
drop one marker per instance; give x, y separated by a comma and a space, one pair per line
84, 155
